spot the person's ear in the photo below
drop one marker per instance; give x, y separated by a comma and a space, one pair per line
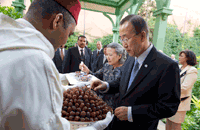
58, 21
143, 36
120, 56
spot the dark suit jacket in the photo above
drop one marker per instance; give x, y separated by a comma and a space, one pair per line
100, 62
89, 50
95, 60
58, 61
74, 59
153, 95
176, 61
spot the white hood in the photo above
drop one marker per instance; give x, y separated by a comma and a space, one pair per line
20, 34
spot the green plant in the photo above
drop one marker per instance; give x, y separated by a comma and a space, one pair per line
172, 41
10, 11
175, 42
196, 101
198, 62
196, 89
192, 118
105, 40
192, 121
197, 32
72, 40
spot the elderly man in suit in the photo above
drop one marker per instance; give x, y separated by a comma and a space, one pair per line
101, 60
60, 57
149, 87
77, 54
173, 57
86, 47
95, 56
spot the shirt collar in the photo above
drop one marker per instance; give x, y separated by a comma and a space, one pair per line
62, 48
143, 56
99, 50
81, 48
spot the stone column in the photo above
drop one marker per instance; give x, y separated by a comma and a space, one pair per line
19, 6
161, 15
160, 27
115, 26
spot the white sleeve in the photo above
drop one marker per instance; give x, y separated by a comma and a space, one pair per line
107, 88
31, 92
130, 118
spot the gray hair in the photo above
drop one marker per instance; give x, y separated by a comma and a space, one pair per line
119, 49
139, 24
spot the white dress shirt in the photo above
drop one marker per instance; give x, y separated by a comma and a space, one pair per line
99, 50
104, 58
63, 49
79, 49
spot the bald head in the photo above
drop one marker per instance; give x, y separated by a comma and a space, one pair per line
99, 45
173, 56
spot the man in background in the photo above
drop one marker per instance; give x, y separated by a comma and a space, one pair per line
95, 55
88, 48
173, 57
59, 58
102, 60
77, 54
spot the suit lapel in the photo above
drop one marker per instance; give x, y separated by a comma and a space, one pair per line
126, 76
144, 70
77, 53
58, 53
86, 56
94, 55
186, 68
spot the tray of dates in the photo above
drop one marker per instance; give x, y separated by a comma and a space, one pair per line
82, 107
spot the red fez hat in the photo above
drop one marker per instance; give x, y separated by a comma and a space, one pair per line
73, 6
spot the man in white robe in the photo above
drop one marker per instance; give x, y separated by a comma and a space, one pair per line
31, 95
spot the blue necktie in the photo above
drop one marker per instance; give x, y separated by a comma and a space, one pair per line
133, 73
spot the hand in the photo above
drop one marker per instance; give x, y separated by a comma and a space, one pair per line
98, 85
84, 68
101, 125
122, 113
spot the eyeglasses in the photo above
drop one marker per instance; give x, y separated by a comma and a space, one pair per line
125, 40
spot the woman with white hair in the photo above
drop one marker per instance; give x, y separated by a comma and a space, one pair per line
116, 56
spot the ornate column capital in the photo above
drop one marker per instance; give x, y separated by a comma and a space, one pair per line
19, 6
164, 12
115, 29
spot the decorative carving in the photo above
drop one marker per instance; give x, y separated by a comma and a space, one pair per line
164, 12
